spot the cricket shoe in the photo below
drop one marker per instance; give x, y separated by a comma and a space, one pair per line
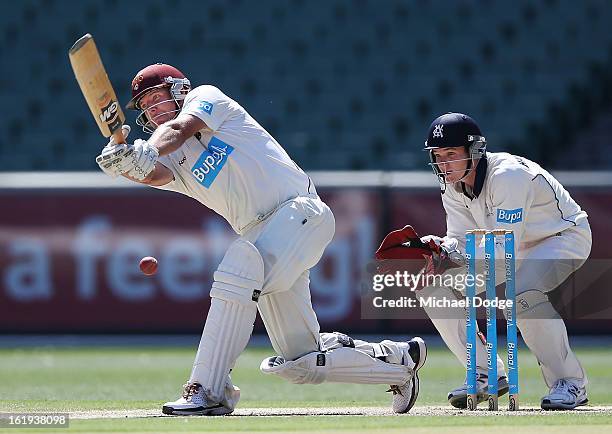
195, 402
564, 395
405, 396
458, 397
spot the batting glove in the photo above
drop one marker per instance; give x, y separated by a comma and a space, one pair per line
144, 158
113, 157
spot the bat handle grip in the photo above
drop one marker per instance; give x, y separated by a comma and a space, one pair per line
118, 136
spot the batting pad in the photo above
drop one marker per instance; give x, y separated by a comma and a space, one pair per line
341, 365
238, 282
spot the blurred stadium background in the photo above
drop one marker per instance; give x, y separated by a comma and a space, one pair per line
347, 87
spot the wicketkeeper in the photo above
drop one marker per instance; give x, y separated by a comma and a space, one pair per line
487, 190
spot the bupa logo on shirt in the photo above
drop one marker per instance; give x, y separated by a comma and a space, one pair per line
206, 107
210, 163
509, 215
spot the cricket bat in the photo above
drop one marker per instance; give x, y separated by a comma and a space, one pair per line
96, 87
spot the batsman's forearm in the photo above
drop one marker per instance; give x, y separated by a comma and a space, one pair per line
167, 138
160, 175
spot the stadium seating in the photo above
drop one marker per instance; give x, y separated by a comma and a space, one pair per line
341, 84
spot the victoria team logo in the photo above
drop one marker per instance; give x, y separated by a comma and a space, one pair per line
509, 215
211, 161
437, 132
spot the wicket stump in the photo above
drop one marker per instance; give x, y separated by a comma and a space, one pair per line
471, 323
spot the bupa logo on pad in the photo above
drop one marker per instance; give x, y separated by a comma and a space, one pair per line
509, 215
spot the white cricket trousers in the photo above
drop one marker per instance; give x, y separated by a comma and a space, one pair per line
291, 241
542, 266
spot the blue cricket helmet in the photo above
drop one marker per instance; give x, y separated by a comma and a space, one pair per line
452, 130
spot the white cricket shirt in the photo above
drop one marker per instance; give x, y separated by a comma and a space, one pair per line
510, 192
234, 167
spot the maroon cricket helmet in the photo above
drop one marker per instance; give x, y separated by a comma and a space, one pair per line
156, 76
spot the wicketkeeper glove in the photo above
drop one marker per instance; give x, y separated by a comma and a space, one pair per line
417, 255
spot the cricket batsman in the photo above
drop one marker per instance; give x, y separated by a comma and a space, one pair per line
206, 146
487, 190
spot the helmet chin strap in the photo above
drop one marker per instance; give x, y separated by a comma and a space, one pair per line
442, 181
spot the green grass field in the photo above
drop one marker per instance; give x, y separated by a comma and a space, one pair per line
84, 379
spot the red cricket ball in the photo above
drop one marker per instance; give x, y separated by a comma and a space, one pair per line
148, 265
